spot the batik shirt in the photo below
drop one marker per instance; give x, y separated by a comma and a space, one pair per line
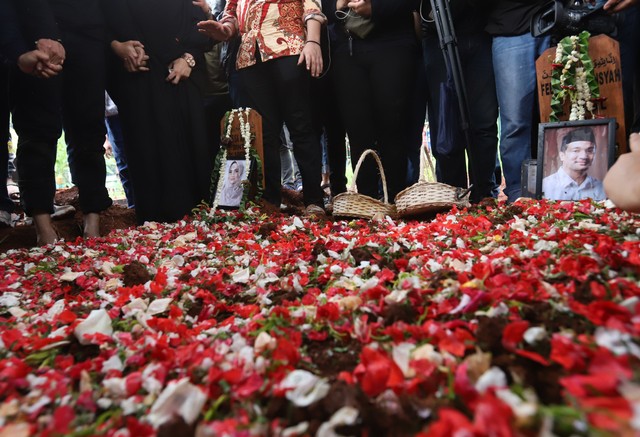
276, 27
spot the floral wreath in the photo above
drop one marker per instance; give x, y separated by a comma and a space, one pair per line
573, 77
249, 154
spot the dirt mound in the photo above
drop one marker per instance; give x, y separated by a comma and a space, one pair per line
69, 227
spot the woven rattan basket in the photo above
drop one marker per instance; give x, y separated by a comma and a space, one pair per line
353, 204
426, 197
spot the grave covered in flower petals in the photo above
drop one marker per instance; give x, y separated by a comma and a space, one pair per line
496, 320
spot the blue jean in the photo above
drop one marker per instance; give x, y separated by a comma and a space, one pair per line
290, 173
514, 64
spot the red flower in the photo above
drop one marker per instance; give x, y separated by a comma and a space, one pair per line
566, 353
328, 311
514, 333
62, 418
581, 386
377, 372
450, 423
493, 417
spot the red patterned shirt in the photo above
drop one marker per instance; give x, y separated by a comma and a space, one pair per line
277, 27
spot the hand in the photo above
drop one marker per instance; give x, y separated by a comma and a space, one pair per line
53, 49
341, 4
202, 4
108, 149
618, 5
361, 7
178, 70
312, 55
37, 63
216, 30
621, 182
133, 55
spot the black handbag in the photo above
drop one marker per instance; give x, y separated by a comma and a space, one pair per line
355, 24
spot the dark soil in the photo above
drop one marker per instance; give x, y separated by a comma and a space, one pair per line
23, 235
69, 228
332, 356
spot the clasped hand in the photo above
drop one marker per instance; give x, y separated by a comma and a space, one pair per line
178, 70
38, 63
132, 54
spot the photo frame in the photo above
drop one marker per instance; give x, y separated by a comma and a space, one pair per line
232, 189
574, 157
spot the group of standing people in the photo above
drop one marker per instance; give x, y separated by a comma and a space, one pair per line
297, 62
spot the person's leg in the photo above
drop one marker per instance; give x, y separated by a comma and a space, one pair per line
258, 86
328, 126
483, 113
514, 66
6, 204
392, 75
287, 161
83, 119
417, 118
629, 37
292, 85
114, 133
35, 105
354, 96
450, 168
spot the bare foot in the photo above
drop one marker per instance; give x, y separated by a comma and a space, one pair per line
45, 232
91, 225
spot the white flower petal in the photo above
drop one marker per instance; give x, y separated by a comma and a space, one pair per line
179, 397
97, 322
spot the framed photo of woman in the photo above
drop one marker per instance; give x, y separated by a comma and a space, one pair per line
232, 186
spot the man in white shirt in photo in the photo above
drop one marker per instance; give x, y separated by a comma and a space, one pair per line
571, 181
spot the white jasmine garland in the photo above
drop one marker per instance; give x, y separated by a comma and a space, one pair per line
573, 82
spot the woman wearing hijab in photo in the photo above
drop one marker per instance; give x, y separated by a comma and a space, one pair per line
231, 194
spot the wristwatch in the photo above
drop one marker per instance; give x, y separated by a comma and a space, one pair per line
188, 57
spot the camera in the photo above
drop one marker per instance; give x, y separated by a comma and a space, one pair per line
564, 18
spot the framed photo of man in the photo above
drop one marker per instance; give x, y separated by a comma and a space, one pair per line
574, 157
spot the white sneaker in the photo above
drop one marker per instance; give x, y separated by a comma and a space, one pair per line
5, 219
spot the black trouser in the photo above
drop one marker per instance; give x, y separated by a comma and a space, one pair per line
279, 90
75, 100
475, 55
373, 90
5, 201
328, 124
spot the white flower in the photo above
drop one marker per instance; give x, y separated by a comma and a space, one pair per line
344, 416
306, 388
98, 322
181, 398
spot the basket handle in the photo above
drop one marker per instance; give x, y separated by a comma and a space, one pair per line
425, 158
352, 188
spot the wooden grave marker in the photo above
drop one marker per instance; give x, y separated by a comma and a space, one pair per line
236, 147
605, 54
